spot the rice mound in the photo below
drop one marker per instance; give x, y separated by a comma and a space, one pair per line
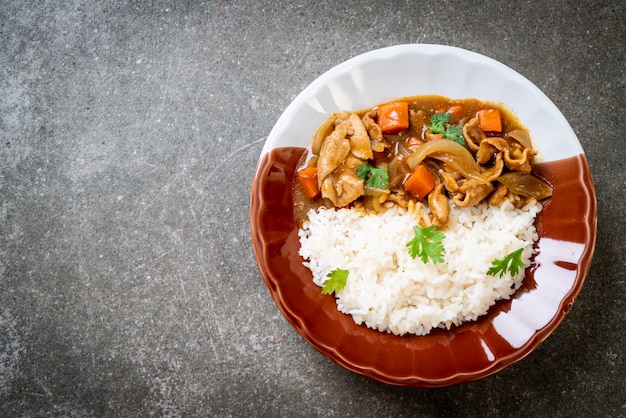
389, 291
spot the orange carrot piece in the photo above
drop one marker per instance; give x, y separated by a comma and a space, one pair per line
420, 182
489, 120
393, 117
414, 141
455, 112
308, 180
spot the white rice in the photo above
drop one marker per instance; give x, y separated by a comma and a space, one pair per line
389, 291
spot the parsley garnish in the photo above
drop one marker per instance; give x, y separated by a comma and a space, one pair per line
427, 244
511, 262
438, 123
454, 133
336, 281
374, 177
362, 170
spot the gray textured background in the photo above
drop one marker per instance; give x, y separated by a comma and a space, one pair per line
130, 133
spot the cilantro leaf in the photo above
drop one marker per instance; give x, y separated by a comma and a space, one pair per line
511, 262
379, 178
454, 133
362, 170
336, 281
374, 177
438, 122
427, 244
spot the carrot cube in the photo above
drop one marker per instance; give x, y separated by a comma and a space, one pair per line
420, 182
393, 117
489, 120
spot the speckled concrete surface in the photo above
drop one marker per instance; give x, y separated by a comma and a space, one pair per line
129, 137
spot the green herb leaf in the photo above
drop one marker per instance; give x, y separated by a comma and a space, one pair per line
438, 122
511, 262
336, 281
454, 133
374, 177
362, 170
379, 178
427, 244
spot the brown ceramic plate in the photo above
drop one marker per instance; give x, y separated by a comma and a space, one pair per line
511, 329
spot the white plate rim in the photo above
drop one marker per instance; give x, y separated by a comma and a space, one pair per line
421, 69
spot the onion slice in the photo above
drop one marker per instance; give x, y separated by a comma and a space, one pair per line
455, 155
521, 137
321, 133
525, 184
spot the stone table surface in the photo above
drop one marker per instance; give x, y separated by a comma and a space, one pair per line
130, 132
